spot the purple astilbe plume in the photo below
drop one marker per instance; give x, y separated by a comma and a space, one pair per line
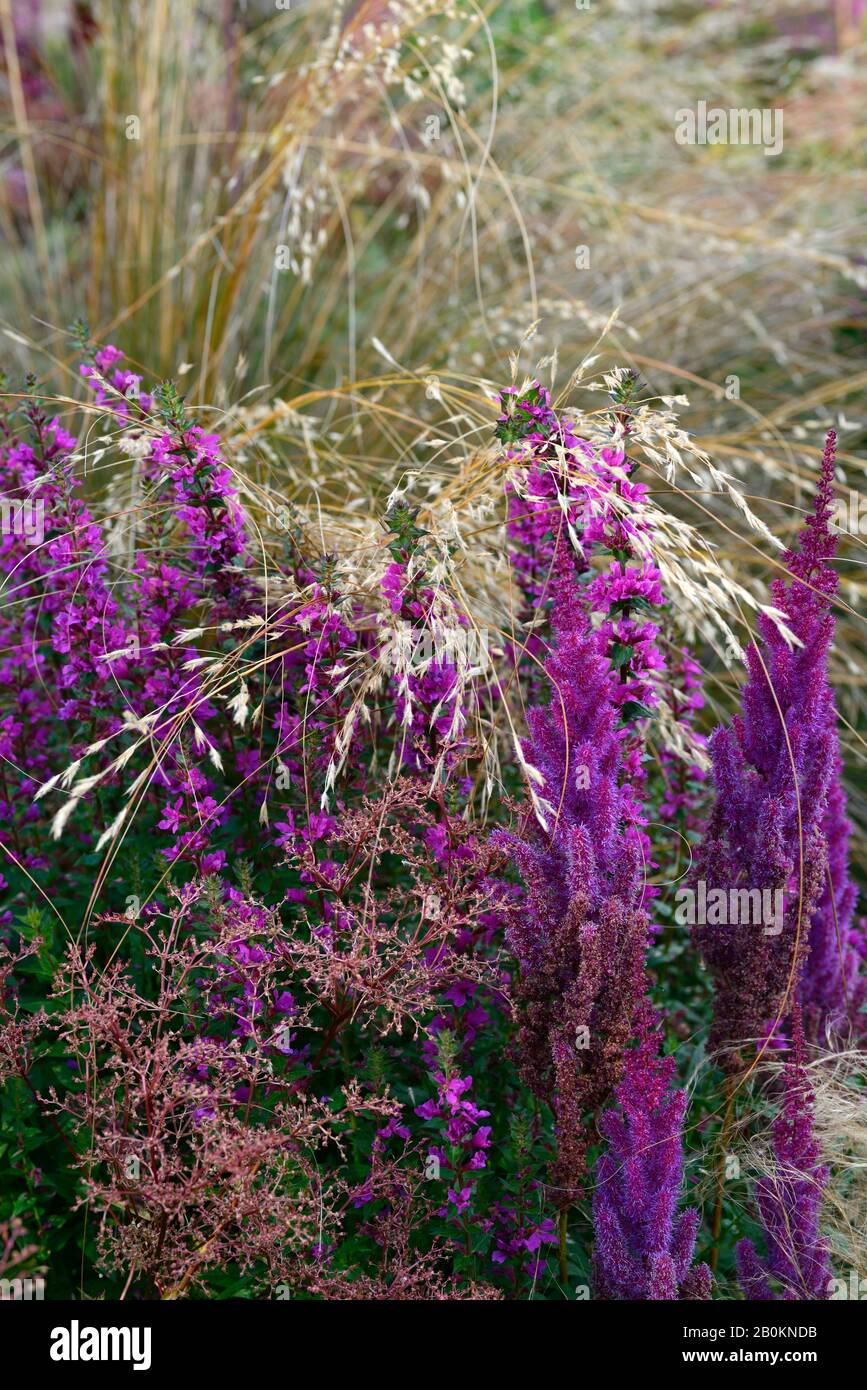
581, 934
777, 822
643, 1248
833, 986
832, 990
789, 1199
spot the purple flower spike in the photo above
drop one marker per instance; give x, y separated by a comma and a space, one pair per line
580, 935
643, 1248
779, 825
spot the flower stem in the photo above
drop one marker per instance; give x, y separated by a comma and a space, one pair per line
716, 1224
563, 1231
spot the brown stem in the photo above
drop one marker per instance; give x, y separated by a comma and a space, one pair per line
563, 1231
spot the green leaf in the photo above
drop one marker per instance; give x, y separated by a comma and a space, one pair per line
621, 654
634, 709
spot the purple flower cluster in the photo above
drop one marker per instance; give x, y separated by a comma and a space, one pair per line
581, 934
777, 824
270, 1032
462, 1150
643, 1248
573, 489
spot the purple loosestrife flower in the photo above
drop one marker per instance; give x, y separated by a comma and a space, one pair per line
127, 385
527, 418
462, 1152
643, 1248
550, 498
205, 500
682, 781
631, 641
421, 650
520, 1240
789, 1199
534, 519
560, 486
578, 490
580, 935
777, 822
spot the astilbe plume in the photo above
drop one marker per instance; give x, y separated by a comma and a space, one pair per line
643, 1249
832, 988
833, 985
777, 820
580, 935
789, 1199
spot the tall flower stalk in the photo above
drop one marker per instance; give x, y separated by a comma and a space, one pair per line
643, 1249
580, 935
777, 824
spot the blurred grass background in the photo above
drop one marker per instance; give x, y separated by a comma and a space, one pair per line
430, 171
